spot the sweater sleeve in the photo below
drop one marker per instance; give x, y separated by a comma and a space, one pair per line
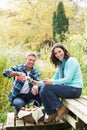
69, 71
56, 75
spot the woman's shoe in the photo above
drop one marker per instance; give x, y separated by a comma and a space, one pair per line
61, 112
50, 118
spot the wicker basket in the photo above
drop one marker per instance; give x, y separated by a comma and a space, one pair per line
29, 118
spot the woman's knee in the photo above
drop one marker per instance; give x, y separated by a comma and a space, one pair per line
44, 90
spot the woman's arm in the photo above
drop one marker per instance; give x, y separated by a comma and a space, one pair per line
69, 72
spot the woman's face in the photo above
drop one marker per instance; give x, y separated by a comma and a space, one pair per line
59, 53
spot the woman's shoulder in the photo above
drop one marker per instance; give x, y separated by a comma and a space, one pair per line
72, 59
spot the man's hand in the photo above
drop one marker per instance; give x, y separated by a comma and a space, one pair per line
34, 90
34, 82
47, 81
20, 76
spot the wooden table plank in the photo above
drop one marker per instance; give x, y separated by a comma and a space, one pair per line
71, 120
49, 126
10, 120
21, 125
82, 100
85, 97
77, 108
19, 122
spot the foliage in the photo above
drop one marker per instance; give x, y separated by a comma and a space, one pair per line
43, 63
60, 23
30, 24
3, 62
3, 88
4, 111
75, 45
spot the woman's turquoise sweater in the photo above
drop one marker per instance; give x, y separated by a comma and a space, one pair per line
72, 75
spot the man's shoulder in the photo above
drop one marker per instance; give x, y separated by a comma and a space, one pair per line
35, 69
20, 66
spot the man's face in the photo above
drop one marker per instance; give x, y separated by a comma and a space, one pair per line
29, 62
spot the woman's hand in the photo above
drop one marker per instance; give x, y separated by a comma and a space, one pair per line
47, 81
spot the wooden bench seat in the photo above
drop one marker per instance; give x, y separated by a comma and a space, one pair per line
77, 117
20, 124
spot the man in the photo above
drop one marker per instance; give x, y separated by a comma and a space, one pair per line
23, 89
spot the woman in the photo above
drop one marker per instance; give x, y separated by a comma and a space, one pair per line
66, 83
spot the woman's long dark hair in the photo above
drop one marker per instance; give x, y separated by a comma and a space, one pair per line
53, 59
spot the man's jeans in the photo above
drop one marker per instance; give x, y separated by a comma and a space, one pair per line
22, 99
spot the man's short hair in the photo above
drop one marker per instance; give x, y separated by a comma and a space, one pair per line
31, 54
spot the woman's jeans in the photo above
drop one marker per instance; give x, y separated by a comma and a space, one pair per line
51, 94
22, 99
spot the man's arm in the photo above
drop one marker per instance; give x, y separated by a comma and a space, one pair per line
13, 71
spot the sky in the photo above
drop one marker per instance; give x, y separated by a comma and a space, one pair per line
4, 3
81, 3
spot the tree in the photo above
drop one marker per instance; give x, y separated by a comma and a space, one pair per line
54, 26
60, 23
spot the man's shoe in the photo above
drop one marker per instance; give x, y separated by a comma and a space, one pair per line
50, 118
61, 112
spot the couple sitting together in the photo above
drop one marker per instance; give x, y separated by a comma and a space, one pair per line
65, 83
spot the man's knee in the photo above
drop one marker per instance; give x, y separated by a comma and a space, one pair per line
18, 103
